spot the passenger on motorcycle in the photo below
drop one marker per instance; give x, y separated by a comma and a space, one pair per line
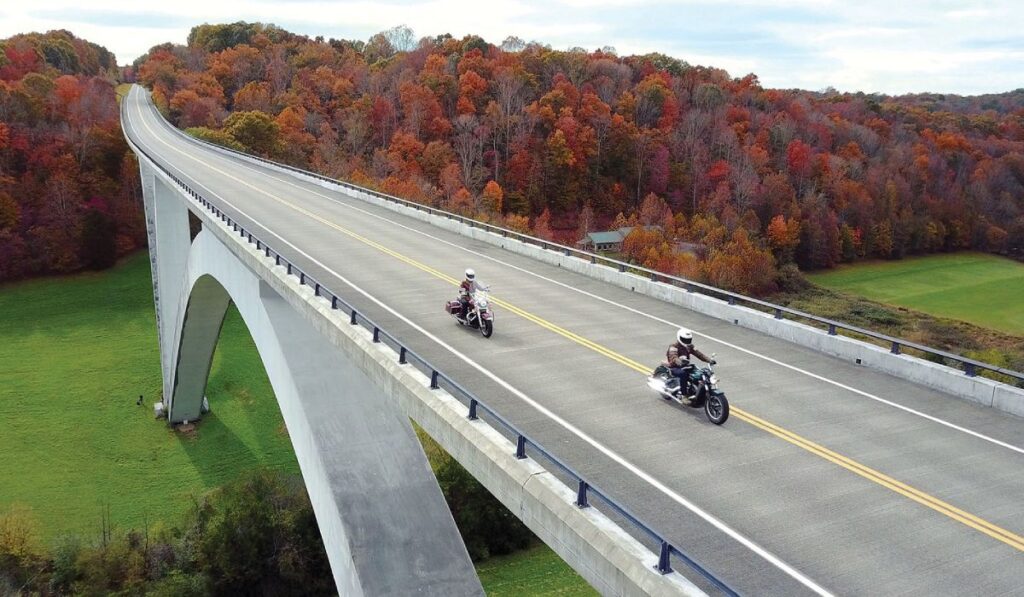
466, 290
678, 357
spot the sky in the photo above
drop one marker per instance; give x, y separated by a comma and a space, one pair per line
889, 46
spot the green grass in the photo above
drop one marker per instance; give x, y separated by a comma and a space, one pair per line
534, 571
75, 354
982, 289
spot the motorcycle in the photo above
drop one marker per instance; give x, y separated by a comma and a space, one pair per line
703, 384
479, 315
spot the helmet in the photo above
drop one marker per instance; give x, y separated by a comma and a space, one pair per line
685, 336
470, 274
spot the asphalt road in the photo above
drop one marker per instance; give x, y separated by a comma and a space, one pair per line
813, 485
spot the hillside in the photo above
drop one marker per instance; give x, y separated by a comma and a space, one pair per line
562, 142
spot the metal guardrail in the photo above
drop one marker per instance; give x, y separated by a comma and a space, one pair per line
896, 345
586, 490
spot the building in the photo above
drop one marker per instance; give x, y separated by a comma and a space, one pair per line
607, 240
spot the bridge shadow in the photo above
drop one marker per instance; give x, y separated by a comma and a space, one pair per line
244, 428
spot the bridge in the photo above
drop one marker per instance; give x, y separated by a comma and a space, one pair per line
846, 468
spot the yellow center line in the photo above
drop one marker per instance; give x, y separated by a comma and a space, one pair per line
979, 524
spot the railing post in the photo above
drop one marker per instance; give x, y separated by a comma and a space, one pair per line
277, 259
732, 300
622, 267
302, 277
289, 269
376, 334
581, 495
472, 409
401, 355
521, 447
352, 317
895, 347
664, 560
334, 302
831, 329
593, 259
969, 370
433, 380
316, 289
778, 313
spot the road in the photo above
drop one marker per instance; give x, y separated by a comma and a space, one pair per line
829, 477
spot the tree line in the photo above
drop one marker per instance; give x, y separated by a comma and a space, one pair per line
69, 190
561, 143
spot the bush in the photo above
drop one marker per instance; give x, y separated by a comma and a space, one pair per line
487, 527
258, 535
791, 279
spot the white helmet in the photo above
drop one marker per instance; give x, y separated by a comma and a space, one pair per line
684, 336
470, 274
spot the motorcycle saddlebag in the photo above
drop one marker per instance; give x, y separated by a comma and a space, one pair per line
453, 307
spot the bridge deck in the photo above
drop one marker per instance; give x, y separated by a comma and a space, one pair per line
812, 478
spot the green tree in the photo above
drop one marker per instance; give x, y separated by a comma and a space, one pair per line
256, 131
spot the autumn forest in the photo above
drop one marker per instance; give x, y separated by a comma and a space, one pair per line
722, 180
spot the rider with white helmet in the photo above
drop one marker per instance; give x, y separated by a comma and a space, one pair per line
467, 288
678, 357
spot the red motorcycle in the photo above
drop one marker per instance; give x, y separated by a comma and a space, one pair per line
478, 314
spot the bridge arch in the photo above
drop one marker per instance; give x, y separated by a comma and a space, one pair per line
383, 519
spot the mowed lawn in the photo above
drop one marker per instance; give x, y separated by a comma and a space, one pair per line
985, 290
75, 354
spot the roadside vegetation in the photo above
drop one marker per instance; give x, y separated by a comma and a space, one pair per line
997, 345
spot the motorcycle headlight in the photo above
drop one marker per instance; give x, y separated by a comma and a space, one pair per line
714, 380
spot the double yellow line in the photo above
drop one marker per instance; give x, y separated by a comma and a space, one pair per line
981, 525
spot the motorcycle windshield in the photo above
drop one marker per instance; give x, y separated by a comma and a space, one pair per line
481, 298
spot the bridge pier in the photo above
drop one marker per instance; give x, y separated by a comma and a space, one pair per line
384, 522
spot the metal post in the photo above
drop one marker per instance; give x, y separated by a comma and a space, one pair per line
401, 356
831, 329
334, 302
376, 334
521, 447
895, 347
664, 561
433, 380
472, 409
581, 495
969, 369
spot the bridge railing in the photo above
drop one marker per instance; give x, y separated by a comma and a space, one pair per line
969, 366
585, 490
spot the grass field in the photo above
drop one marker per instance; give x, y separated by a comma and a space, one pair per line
534, 571
76, 352
982, 289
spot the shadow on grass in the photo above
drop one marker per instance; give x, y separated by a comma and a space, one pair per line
217, 453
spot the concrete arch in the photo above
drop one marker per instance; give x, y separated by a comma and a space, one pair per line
382, 516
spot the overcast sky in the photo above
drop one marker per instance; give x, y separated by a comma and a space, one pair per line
889, 46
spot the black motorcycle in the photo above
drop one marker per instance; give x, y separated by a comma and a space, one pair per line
703, 390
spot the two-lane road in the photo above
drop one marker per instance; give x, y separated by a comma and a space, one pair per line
829, 477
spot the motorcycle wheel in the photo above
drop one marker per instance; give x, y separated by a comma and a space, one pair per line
487, 329
716, 407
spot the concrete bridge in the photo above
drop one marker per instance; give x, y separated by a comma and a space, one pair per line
846, 468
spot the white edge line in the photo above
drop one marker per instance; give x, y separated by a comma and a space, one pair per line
770, 557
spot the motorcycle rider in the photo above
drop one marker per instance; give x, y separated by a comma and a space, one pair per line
466, 290
678, 357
